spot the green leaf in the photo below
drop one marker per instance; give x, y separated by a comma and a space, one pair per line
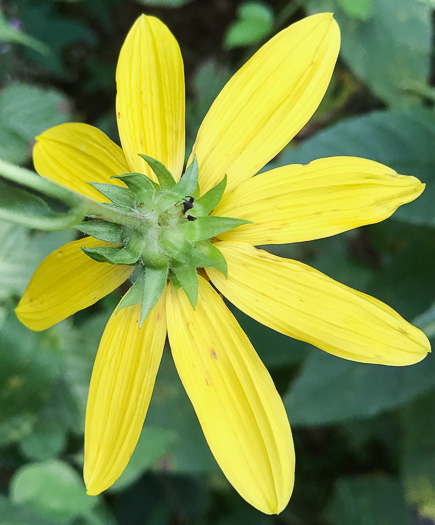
403, 140
388, 50
361, 9
117, 194
20, 515
164, 3
418, 454
21, 251
46, 441
211, 199
189, 181
58, 32
153, 443
330, 389
16, 36
163, 175
207, 227
187, 276
30, 365
52, 488
29, 110
171, 410
105, 231
426, 322
369, 500
255, 21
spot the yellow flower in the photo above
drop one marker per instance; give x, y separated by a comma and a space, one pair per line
257, 113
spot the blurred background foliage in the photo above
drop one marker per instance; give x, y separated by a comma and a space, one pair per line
364, 434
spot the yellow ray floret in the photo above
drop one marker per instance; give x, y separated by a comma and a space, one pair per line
328, 196
74, 154
122, 382
68, 281
267, 101
301, 302
150, 97
240, 411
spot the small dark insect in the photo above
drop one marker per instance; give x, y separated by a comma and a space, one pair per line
187, 203
191, 218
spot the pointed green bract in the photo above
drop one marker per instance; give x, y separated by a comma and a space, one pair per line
154, 283
163, 175
165, 229
215, 256
105, 231
140, 185
189, 181
187, 276
112, 255
135, 294
117, 194
207, 227
212, 198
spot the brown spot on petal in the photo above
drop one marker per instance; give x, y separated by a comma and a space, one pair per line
119, 114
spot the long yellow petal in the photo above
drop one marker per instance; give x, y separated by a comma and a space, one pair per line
301, 302
122, 382
233, 395
67, 281
328, 196
74, 154
267, 101
150, 98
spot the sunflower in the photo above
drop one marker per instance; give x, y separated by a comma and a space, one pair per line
186, 236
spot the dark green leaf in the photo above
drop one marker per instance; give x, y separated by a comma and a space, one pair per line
402, 140
369, 500
153, 443
418, 454
330, 389
389, 49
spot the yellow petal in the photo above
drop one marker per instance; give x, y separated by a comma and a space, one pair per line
328, 196
233, 395
150, 98
267, 101
74, 154
122, 382
301, 302
67, 281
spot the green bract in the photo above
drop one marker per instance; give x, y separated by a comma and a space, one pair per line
162, 228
